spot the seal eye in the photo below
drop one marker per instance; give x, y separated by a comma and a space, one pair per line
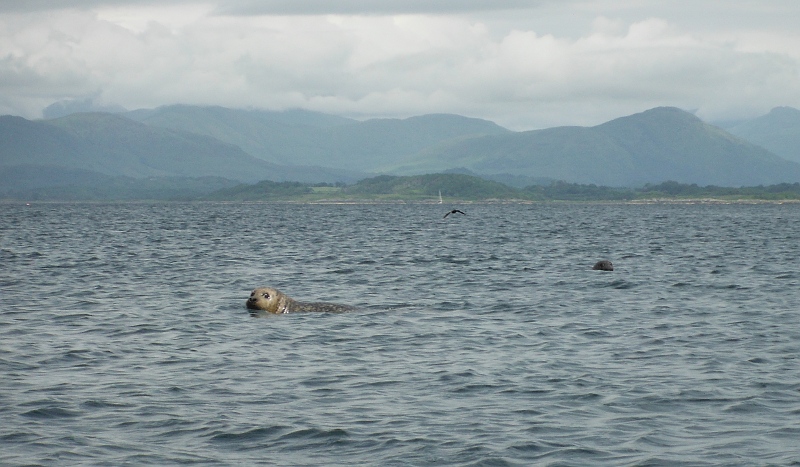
265, 295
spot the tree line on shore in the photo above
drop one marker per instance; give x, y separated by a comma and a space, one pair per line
469, 188
419, 188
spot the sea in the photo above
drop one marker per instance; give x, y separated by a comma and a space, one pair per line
478, 339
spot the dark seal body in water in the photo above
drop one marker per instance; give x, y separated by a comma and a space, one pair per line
274, 301
604, 265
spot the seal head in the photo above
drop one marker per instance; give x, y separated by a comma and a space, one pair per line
274, 301
269, 299
604, 265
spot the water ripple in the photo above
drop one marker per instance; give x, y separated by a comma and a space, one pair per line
484, 342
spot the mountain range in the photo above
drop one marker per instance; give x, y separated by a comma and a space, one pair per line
657, 145
306, 138
778, 132
650, 147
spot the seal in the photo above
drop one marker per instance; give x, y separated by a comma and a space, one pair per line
604, 265
274, 301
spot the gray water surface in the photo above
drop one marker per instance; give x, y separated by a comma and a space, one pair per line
483, 339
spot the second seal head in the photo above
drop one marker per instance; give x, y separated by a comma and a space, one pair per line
604, 265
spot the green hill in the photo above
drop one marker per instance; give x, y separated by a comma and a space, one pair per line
314, 139
778, 132
383, 187
374, 144
50, 183
261, 191
650, 147
467, 188
670, 144
247, 145
429, 186
114, 145
288, 138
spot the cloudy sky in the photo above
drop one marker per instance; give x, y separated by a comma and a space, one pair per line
524, 64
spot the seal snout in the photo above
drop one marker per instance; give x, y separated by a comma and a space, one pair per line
252, 302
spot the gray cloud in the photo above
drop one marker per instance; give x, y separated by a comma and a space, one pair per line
294, 7
549, 65
369, 7
43, 5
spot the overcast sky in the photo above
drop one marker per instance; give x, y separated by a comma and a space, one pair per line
524, 64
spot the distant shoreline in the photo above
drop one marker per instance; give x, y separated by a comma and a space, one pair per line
356, 202
712, 201
420, 189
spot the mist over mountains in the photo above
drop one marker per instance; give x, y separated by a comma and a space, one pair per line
183, 141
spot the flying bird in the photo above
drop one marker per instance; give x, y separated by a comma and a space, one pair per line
453, 212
